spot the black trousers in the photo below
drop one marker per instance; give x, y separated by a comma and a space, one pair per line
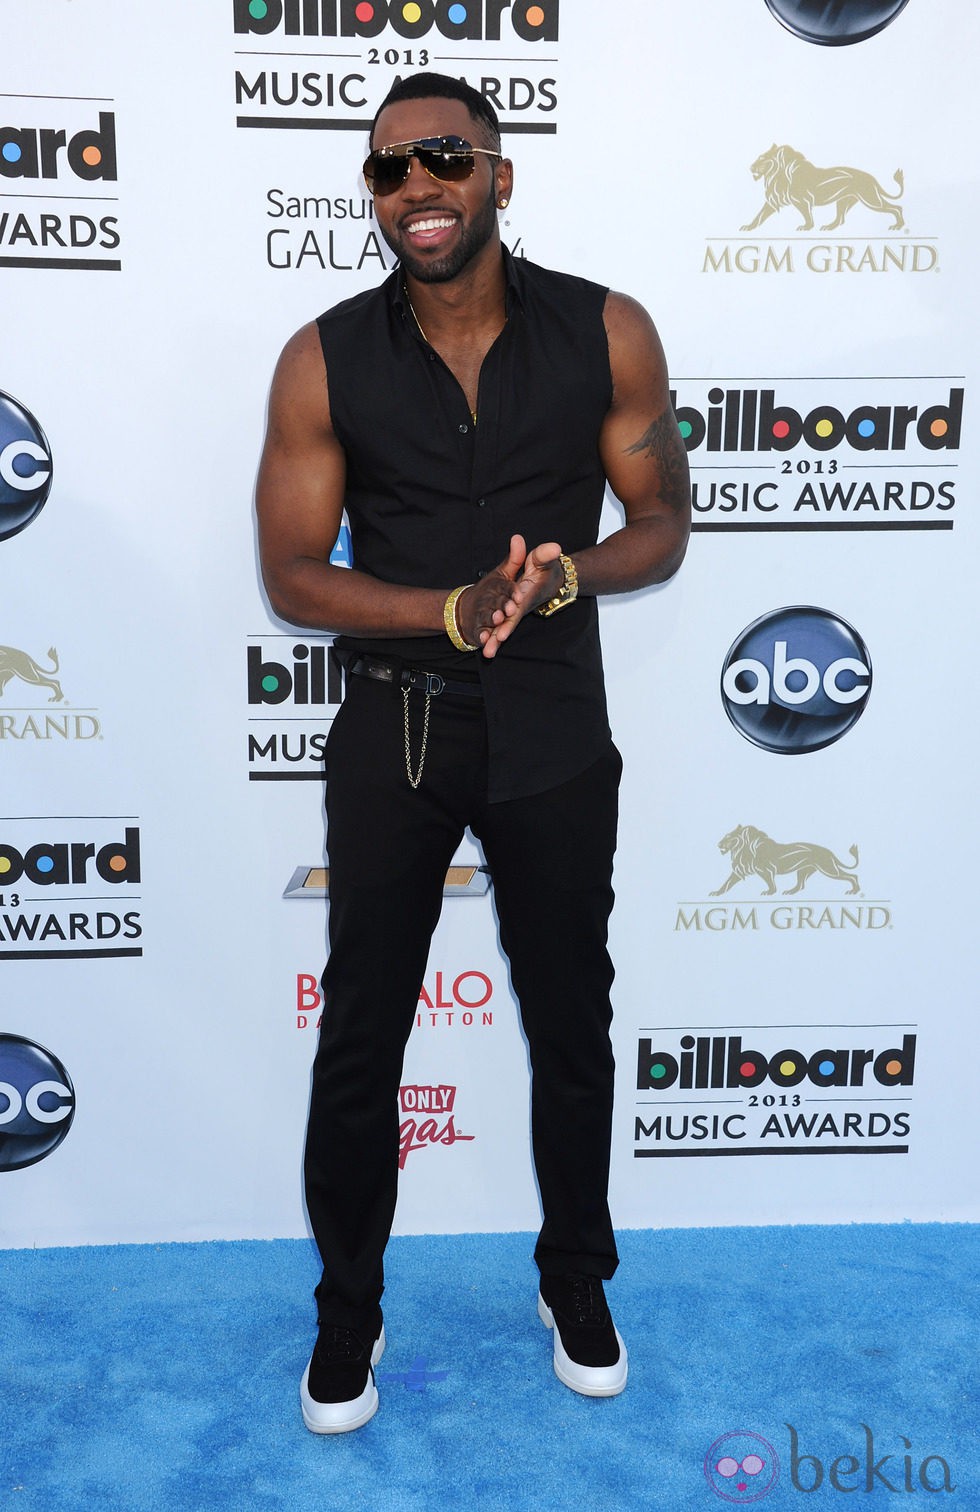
389, 846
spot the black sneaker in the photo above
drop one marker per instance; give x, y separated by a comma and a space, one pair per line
337, 1392
590, 1356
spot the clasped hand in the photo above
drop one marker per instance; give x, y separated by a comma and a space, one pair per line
490, 610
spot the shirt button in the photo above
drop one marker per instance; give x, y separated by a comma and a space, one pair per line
463, 428
481, 503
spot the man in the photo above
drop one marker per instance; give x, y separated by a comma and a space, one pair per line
467, 414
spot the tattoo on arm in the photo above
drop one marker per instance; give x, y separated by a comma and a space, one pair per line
661, 441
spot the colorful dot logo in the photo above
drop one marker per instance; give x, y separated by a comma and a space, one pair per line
835, 23
531, 20
741, 1467
56, 152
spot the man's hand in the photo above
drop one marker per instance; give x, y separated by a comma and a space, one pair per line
490, 611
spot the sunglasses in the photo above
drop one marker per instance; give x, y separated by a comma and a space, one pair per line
447, 159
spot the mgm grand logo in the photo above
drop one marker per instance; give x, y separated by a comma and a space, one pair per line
790, 182
22, 674
757, 864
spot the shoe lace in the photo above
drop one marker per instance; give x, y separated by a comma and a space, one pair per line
336, 1345
587, 1299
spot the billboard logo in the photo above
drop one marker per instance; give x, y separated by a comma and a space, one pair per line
750, 420
310, 678
835, 23
67, 865
57, 173
777, 1089
796, 680
294, 689
37, 1102
719, 1061
71, 872
286, 77
30, 152
25, 467
871, 454
463, 20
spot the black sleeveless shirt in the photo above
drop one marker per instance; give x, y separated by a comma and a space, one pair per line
432, 499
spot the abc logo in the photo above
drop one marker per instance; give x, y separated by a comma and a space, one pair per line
25, 467
37, 1102
796, 680
837, 24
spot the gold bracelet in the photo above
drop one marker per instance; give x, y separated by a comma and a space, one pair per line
567, 593
452, 624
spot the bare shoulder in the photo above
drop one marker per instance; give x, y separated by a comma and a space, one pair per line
627, 320
299, 386
635, 353
301, 359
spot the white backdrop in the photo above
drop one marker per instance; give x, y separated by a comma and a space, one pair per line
634, 135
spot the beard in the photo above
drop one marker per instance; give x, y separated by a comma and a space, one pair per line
473, 239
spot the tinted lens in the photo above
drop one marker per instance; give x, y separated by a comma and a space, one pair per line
447, 164
448, 159
384, 174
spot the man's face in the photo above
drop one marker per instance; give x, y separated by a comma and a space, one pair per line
437, 229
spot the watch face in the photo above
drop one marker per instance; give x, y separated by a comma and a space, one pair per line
835, 23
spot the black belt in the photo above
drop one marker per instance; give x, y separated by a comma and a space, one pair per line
432, 683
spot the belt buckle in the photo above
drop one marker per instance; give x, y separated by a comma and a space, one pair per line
429, 683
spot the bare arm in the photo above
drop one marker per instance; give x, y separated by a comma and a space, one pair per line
646, 465
300, 503
645, 462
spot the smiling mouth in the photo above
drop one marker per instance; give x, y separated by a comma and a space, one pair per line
431, 226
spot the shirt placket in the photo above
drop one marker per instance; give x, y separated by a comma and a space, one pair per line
484, 469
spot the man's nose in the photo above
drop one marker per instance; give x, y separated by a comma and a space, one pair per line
418, 182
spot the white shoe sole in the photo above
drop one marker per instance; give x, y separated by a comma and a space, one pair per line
587, 1380
342, 1417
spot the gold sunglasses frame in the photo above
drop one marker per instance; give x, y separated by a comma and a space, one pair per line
406, 150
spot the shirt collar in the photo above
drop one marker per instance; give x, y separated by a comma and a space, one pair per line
514, 294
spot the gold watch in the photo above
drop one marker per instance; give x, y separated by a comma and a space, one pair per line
567, 593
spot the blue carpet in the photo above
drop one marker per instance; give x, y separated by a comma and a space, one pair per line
814, 1363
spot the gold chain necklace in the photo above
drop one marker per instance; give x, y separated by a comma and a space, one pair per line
422, 332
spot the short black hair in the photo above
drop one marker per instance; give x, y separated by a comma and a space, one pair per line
436, 86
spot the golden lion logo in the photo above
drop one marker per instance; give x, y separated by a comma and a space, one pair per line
14, 663
791, 179
753, 853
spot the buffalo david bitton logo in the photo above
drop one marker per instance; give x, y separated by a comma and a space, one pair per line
791, 182
758, 864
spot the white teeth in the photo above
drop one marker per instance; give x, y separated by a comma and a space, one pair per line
432, 225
